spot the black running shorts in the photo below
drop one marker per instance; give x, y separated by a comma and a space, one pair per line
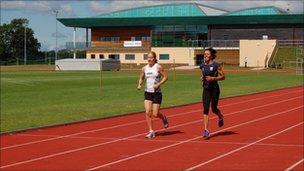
154, 97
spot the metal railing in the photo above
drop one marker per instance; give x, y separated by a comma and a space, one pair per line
290, 43
103, 45
214, 43
188, 43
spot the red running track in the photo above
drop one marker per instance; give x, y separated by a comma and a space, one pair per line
262, 132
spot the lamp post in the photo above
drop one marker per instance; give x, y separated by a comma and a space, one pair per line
56, 13
45, 53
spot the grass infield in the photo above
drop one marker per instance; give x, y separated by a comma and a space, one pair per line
41, 98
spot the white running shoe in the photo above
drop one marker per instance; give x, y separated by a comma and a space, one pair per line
151, 134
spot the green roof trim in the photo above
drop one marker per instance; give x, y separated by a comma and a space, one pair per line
167, 10
194, 20
267, 10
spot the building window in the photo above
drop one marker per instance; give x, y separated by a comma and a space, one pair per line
145, 56
164, 57
92, 56
138, 38
179, 28
146, 38
110, 38
190, 27
141, 38
225, 37
168, 28
101, 56
158, 28
130, 57
114, 56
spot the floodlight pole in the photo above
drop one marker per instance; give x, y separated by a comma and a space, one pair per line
56, 13
25, 44
74, 43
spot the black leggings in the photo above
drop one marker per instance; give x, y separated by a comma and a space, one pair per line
211, 95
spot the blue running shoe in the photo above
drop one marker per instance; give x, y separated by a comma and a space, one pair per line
206, 134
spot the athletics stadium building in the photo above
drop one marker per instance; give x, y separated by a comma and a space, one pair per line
179, 32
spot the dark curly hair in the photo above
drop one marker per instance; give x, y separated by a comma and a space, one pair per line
212, 52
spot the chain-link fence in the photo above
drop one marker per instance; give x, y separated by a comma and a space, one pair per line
299, 60
288, 55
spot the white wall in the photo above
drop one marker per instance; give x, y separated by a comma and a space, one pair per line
258, 52
86, 64
180, 54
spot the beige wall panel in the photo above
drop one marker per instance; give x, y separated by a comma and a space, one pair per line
257, 52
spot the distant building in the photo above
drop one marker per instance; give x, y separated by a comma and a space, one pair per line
180, 31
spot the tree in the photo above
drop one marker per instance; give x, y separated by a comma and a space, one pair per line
12, 41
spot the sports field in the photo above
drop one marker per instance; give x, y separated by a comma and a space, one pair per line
35, 99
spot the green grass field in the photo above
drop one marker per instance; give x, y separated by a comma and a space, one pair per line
286, 57
34, 99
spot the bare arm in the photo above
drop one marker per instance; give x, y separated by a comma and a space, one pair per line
201, 73
141, 79
164, 77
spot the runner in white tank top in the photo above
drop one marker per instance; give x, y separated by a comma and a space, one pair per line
155, 76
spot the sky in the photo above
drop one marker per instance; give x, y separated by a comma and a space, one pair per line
42, 19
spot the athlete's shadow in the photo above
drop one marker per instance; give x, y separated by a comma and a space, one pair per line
223, 133
167, 133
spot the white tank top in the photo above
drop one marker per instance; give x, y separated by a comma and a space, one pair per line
152, 76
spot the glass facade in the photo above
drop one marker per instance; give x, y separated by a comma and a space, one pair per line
177, 35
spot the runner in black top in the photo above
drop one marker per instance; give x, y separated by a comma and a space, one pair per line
211, 73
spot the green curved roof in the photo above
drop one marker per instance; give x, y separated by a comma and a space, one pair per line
269, 10
188, 20
168, 10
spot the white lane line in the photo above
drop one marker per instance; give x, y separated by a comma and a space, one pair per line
136, 135
185, 141
132, 123
175, 141
294, 165
241, 148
